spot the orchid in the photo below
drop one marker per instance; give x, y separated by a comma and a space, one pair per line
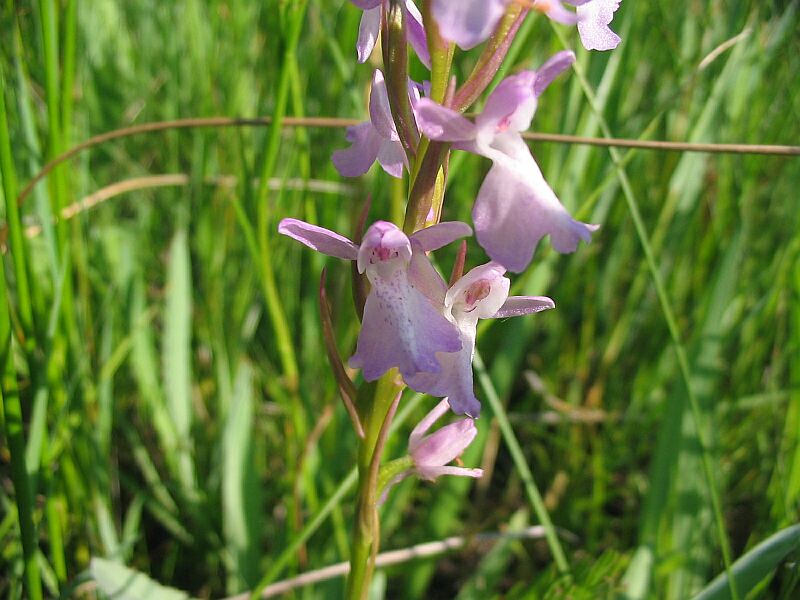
401, 327
480, 294
470, 22
370, 27
374, 139
515, 206
432, 453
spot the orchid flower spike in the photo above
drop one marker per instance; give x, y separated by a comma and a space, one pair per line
432, 453
470, 22
480, 294
370, 27
515, 207
402, 326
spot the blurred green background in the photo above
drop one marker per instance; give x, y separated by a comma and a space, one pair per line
176, 402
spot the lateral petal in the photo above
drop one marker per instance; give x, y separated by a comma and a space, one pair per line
467, 22
441, 234
358, 158
320, 239
416, 33
368, 30
441, 123
516, 306
552, 68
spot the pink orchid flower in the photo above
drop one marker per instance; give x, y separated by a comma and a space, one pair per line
515, 206
401, 327
434, 452
480, 294
370, 27
470, 22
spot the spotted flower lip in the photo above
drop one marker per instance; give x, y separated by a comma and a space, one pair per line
470, 22
515, 207
370, 27
432, 453
403, 325
480, 294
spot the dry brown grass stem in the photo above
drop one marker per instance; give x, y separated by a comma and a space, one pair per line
194, 123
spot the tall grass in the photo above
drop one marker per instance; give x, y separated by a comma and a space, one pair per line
166, 399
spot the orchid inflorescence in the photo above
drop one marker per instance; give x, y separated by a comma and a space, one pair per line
417, 331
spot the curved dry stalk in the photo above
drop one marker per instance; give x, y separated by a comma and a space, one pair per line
395, 557
331, 122
182, 179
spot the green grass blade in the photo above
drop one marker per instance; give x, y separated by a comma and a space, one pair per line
15, 436
241, 497
755, 565
122, 583
283, 340
177, 356
666, 309
18, 250
531, 489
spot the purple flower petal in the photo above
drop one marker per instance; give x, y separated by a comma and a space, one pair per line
366, 4
467, 22
593, 24
510, 106
380, 112
516, 306
507, 223
431, 453
392, 158
555, 10
551, 69
432, 473
441, 234
401, 329
424, 277
416, 33
444, 445
453, 381
368, 31
516, 207
358, 158
320, 239
477, 295
441, 123
383, 244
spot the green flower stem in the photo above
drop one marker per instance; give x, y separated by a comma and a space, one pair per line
427, 189
396, 68
428, 172
441, 55
377, 404
391, 470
